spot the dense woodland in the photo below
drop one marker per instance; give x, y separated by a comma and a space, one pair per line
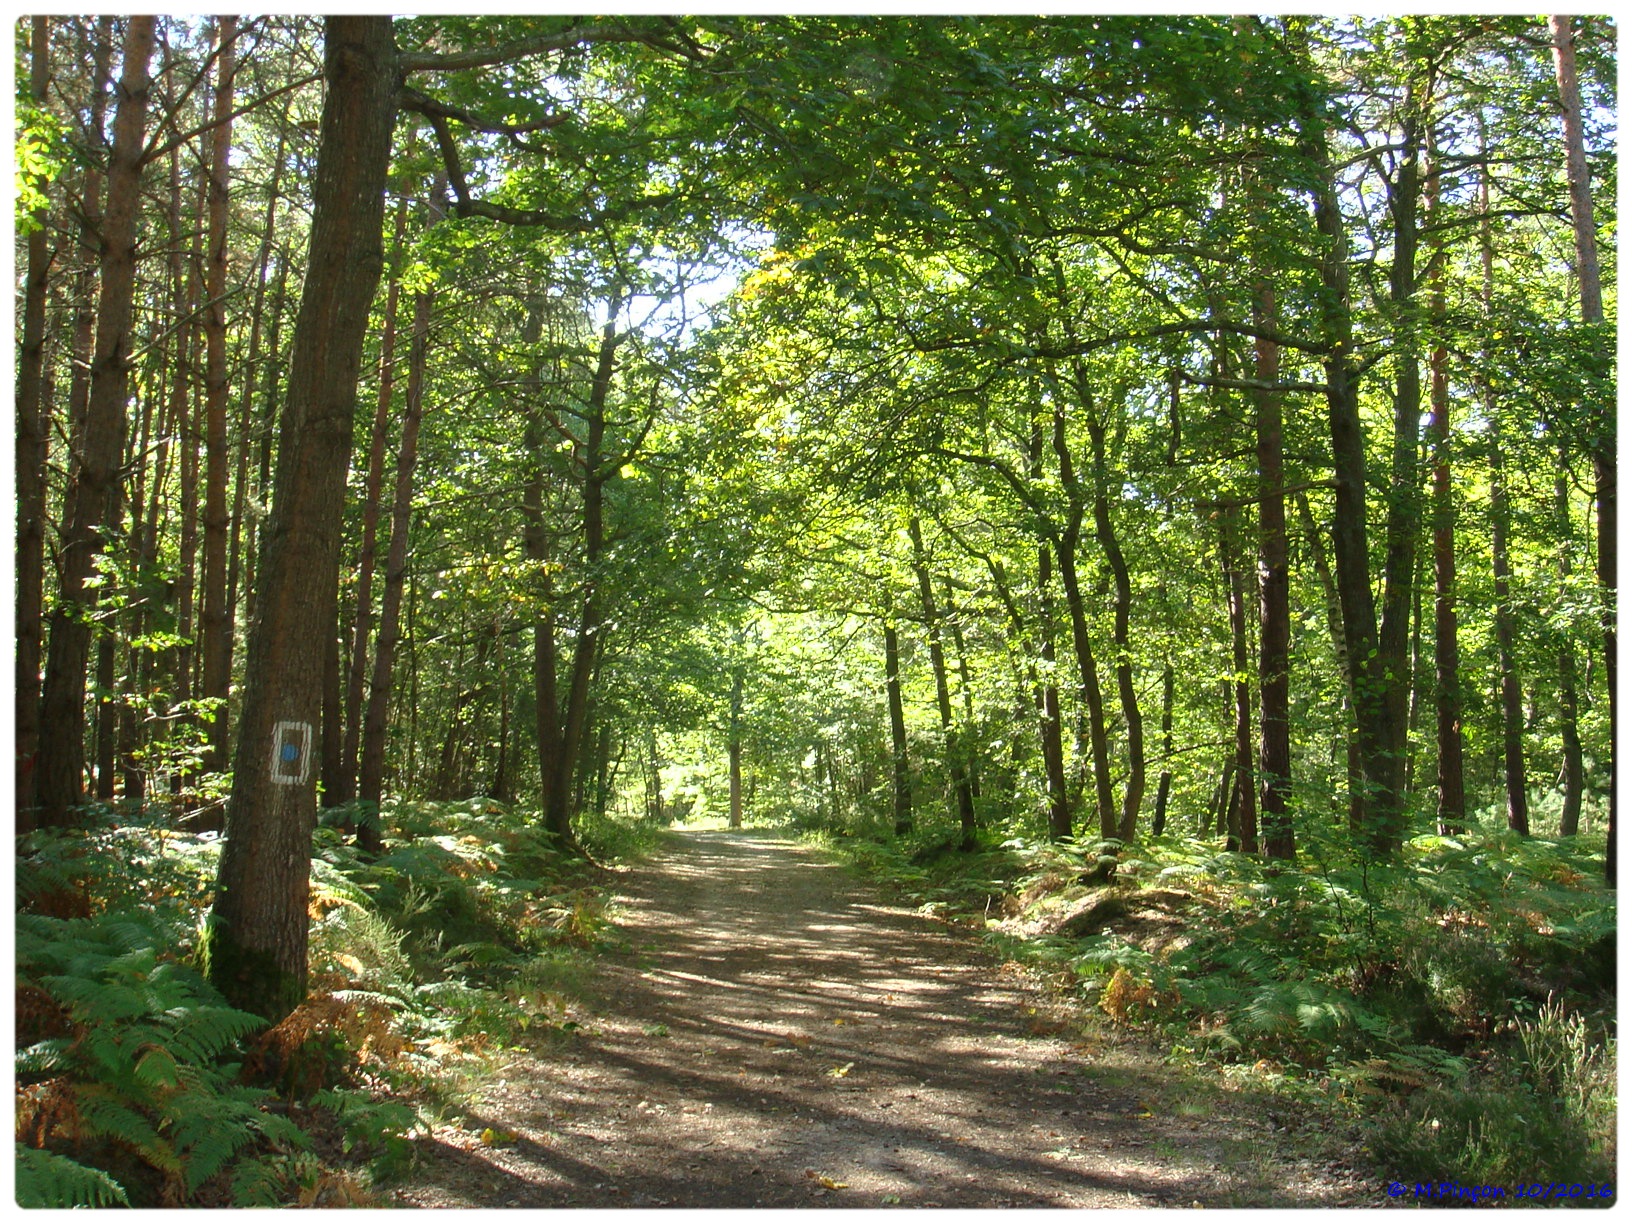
1111, 432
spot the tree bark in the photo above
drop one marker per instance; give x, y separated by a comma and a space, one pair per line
94, 478
1164, 783
363, 616
33, 451
1243, 828
899, 771
734, 748
216, 624
256, 945
1105, 533
371, 770
1592, 314
1092, 701
558, 789
1452, 811
1375, 679
1274, 611
953, 748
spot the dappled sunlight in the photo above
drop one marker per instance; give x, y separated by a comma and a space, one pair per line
778, 1035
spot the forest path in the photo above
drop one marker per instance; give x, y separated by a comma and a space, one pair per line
779, 1035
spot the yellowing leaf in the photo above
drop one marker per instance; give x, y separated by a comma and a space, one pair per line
840, 1072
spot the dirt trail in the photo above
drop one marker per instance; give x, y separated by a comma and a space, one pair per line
780, 1035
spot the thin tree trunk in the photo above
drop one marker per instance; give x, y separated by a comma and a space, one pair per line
971, 760
734, 749
943, 696
371, 771
1374, 677
1244, 826
1334, 627
1092, 701
536, 548
899, 771
256, 945
1164, 783
1105, 533
362, 617
94, 478
215, 622
1592, 314
558, 811
33, 442
1572, 774
1452, 811
239, 568
1274, 611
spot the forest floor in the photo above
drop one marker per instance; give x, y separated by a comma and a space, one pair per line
777, 1034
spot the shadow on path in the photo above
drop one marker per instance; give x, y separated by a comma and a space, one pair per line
780, 1035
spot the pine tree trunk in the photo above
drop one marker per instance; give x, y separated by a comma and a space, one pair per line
94, 480
215, 623
256, 946
33, 451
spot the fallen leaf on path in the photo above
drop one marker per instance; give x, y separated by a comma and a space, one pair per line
840, 1072
822, 1179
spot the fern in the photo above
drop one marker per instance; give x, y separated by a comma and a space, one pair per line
45, 1179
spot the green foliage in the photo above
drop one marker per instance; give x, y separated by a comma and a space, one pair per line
45, 1179
134, 1068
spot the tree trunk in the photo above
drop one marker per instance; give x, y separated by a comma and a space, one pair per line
1452, 813
1274, 612
1572, 775
1164, 783
256, 946
1244, 827
1592, 314
375, 736
239, 574
33, 442
1374, 679
94, 479
362, 618
215, 622
1105, 533
558, 790
899, 770
943, 697
1092, 704
734, 748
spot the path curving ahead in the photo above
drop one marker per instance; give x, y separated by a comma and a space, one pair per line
781, 1035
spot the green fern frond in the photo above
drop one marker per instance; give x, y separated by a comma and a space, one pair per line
44, 1057
45, 1179
103, 1114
